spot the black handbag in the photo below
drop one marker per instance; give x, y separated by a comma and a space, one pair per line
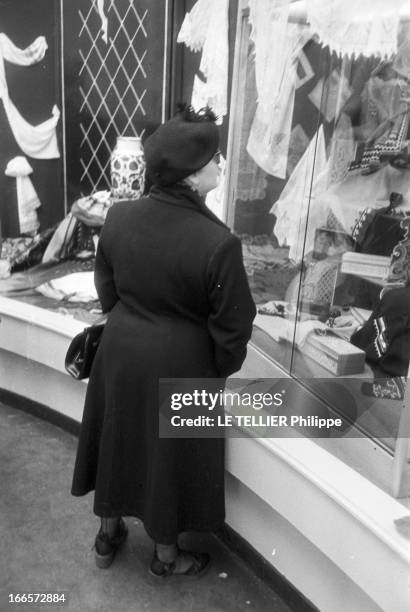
81, 352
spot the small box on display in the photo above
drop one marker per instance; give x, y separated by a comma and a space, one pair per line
335, 354
366, 265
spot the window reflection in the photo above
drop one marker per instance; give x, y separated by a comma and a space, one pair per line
319, 194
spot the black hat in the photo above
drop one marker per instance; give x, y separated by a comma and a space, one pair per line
181, 146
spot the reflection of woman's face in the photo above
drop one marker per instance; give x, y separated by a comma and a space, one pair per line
208, 177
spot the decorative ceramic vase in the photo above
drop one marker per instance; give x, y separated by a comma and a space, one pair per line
127, 169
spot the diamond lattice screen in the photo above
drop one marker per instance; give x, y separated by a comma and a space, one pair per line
112, 82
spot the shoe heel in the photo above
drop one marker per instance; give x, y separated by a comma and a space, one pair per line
103, 561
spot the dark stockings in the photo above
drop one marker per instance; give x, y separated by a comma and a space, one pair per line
169, 553
110, 526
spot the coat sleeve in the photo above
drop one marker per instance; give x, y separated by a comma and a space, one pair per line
104, 280
232, 306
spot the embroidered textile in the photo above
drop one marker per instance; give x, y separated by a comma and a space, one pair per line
26, 251
277, 48
205, 28
330, 95
385, 122
27, 198
269, 33
39, 141
300, 209
342, 150
298, 144
251, 182
368, 27
358, 192
92, 210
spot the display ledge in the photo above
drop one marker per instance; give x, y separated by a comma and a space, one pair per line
340, 521
387, 466
295, 503
33, 344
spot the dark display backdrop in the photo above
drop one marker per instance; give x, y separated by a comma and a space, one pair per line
34, 91
113, 88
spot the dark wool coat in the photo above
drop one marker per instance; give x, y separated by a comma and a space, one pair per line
172, 278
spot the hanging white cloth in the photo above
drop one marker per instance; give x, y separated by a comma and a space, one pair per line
104, 20
368, 27
268, 20
252, 180
277, 47
206, 27
27, 198
300, 209
39, 141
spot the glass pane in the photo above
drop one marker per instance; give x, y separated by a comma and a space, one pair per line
319, 193
357, 217
273, 146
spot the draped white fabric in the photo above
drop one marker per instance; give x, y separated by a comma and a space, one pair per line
27, 198
277, 47
300, 200
205, 28
37, 141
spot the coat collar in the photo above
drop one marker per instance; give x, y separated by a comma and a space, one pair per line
183, 196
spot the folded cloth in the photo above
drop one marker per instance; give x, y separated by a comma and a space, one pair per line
92, 210
77, 287
27, 198
25, 251
59, 244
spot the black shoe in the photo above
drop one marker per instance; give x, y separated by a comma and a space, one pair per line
198, 564
106, 547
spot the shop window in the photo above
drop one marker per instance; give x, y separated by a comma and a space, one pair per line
318, 190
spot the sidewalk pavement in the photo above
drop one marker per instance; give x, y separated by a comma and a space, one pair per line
47, 538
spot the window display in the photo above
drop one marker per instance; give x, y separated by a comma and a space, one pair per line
319, 192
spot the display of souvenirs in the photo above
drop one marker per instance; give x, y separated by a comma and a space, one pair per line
322, 147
